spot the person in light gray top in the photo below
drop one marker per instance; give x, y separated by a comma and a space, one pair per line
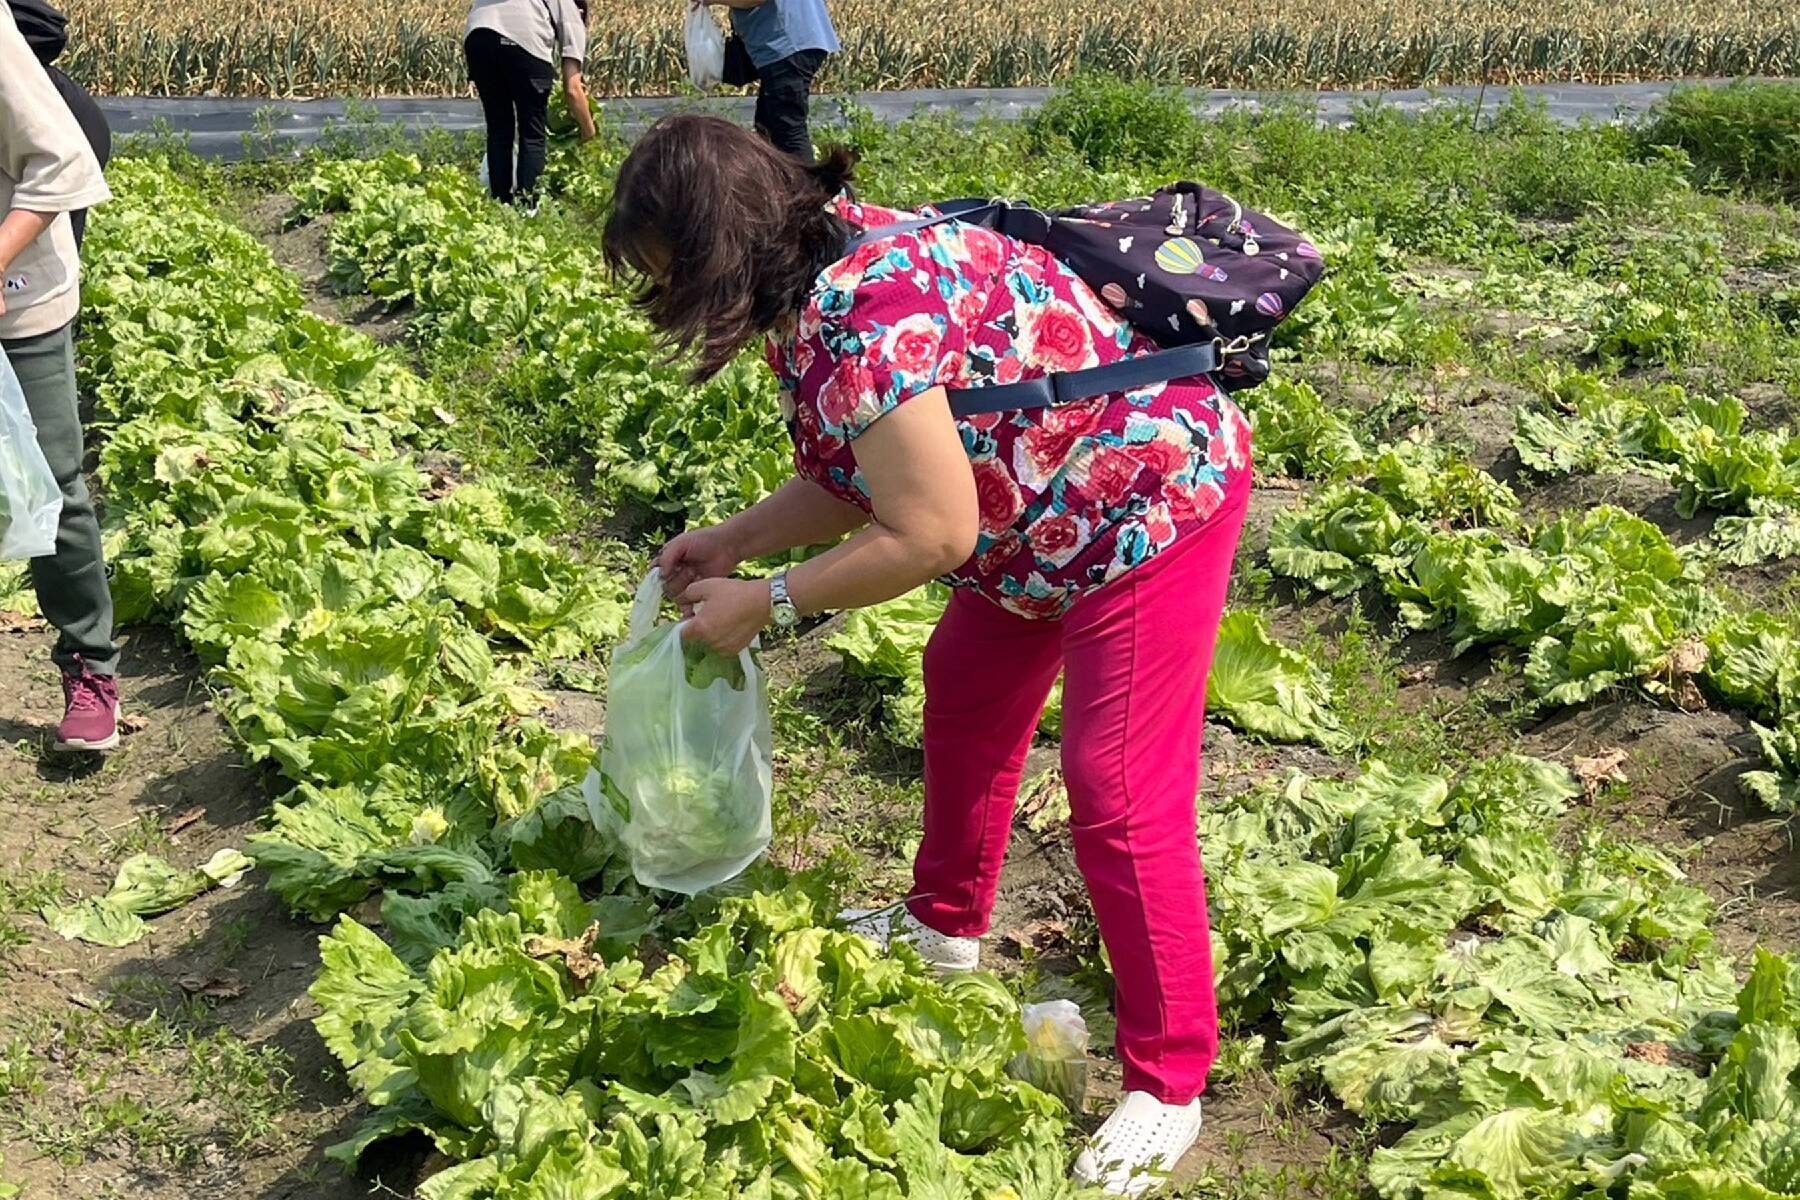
514, 49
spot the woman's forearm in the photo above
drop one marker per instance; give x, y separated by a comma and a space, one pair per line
927, 512
19, 229
798, 513
875, 565
575, 92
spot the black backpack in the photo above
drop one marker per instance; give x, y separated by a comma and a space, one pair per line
46, 30
1203, 277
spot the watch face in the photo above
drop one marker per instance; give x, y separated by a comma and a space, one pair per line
786, 616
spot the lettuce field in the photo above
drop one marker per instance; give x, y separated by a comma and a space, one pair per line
1503, 751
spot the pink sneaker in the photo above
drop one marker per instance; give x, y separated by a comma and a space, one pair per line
90, 712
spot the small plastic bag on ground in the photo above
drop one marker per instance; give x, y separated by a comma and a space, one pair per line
30, 501
705, 49
686, 765
1055, 1056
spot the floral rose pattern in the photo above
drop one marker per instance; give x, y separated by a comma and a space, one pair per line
1071, 496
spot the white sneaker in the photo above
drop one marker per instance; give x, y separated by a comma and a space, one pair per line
1138, 1145
885, 926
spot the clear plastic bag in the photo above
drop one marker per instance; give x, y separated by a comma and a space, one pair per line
1055, 1056
686, 765
705, 49
30, 501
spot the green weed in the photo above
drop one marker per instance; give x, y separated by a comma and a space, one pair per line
1747, 134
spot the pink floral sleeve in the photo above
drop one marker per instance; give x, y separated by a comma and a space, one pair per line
884, 333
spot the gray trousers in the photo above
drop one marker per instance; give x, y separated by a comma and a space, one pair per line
71, 584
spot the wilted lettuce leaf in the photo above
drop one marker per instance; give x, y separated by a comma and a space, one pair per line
145, 886
1343, 539
1297, 434
1769, 533
1777, 789
1263, 687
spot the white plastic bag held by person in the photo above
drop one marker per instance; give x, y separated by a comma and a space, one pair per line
30, 501
686, 765
705, 49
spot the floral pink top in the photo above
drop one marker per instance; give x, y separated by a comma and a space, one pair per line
1072, 496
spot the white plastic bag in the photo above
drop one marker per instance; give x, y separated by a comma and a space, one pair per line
705, 49
481, 174
1055, 1056
30, 501
686, 765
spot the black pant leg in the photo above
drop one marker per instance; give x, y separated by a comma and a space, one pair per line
782, 101
488, 71
533, 108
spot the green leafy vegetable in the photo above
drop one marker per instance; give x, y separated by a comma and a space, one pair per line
1265, 688
146, 886
767, 1046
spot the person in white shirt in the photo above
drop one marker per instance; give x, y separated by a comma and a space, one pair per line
514, 49
47, 171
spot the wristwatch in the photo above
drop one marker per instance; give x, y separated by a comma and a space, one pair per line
780, 607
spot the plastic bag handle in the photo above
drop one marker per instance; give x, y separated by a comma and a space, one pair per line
646, 605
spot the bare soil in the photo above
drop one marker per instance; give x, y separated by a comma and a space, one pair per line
229, 970
1682, 795
1642, 495
302, 250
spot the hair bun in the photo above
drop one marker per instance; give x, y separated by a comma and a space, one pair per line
834, 170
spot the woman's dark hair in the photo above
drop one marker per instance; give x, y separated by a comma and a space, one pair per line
726, 232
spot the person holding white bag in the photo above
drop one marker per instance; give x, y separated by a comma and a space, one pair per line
781, 44
47, 171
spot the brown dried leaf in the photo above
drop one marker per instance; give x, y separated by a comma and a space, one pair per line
1040, 791
442, 481
1687, 696
1687, 657
789, 996
1041, 934
14, 622
1604, 767
186, 819
213, 987
133, 723
1663, 1054
577, 954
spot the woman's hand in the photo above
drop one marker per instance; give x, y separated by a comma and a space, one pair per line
575, 93
705, 553
725, 615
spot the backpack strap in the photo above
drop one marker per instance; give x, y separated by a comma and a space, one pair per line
1060, 387
1066, 387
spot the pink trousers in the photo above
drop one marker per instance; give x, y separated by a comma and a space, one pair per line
1134, 656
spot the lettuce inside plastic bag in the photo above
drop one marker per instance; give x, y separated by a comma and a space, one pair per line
686, 766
